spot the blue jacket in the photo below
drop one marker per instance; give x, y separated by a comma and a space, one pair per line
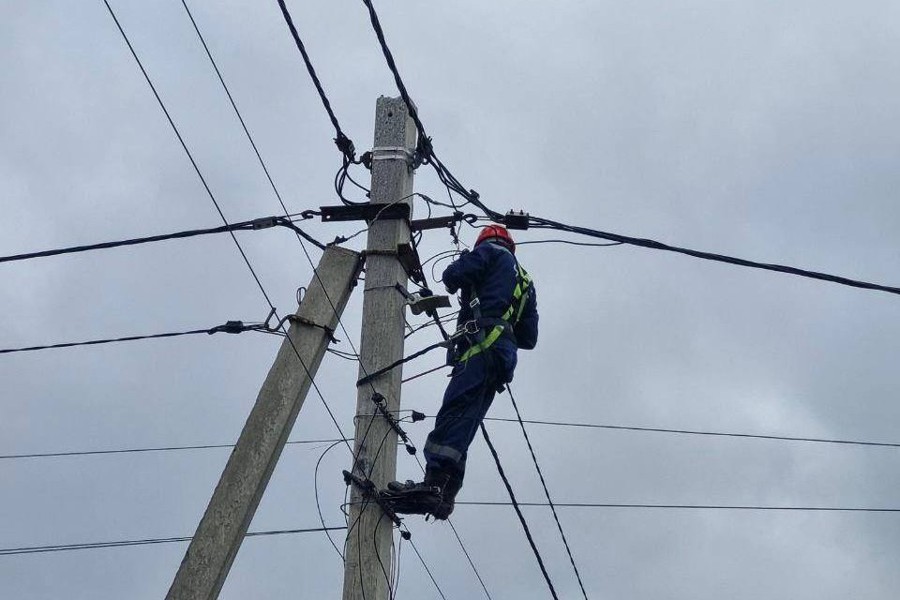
489, 271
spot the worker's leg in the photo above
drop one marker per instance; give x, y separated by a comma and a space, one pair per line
458, 418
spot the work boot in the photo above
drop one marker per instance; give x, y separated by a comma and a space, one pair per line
421, 498
448, 499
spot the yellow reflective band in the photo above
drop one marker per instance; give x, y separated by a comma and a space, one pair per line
492, 337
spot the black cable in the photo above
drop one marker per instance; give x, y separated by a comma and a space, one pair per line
230, 327
653, 244
690, 506
515, 505
187, 151
316, 494
225, 221
344, 144
145, 542
427, 569
547, 492
426, 150
251, 225
140, 450
707, 433
246, 129
569, 242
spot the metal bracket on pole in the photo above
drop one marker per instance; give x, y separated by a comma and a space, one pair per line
365, 212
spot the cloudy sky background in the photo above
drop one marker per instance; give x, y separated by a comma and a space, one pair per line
766, 130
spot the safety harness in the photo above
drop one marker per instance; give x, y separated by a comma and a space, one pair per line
501, 325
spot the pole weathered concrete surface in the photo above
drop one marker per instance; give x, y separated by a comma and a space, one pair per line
368, 547
224, 524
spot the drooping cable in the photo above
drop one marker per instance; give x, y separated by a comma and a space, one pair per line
540, 473
515, 505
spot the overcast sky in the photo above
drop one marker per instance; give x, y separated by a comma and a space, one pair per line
762, 129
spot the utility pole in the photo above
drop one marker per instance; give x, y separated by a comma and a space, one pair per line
224, 524
368, 548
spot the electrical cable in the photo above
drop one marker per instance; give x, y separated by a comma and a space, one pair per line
141, 450
515, 505
316, 494
251, 225
689, 506
569, 242
653, 244
427, 569
704, 433
233, 327
145, 542
546, 491
344, 144
225, 221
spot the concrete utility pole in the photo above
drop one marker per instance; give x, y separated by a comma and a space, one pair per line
225, 522
370, 535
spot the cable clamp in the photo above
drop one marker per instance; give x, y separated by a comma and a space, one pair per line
329, 331
370, 492
232, 327
393, 153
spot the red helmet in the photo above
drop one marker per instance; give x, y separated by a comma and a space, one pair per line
496, 233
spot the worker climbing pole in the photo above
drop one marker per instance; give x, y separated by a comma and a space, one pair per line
498, 316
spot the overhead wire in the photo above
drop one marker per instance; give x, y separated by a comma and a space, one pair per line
747, 507
540, 473
540, 222
142, 450
515, 504
344, 144
222, 214
232, 327
819, 440
145, 542
251, 225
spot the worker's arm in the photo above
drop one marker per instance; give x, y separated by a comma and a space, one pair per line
468, 270
526, 329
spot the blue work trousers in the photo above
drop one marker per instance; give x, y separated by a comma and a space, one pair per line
467, 399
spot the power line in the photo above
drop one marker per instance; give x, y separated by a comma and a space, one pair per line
515, 505
251, 225
140, 450
145, 542
344, 144
233, 327
569, 242
704, 433
688, 506
187, 150
695, 432
225, 221
542, 223
547, 492
426, 150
